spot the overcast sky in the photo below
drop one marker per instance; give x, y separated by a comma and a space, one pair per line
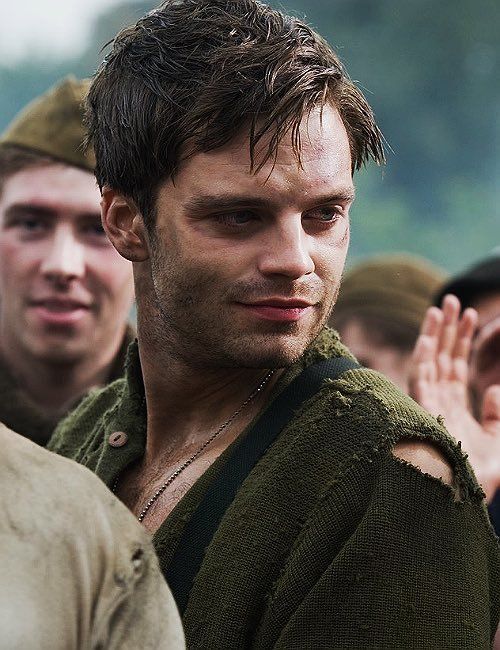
46, 27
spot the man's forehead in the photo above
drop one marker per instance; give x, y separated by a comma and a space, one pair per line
51, 192
319, 130
57, 183
322, 161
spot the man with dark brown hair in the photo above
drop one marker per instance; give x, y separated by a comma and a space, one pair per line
65, 293
278, 478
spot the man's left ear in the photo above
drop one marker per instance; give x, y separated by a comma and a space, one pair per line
124, 225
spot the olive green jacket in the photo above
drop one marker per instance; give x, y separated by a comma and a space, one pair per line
20, 414
331, 541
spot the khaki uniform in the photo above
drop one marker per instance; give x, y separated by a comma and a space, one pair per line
77, 570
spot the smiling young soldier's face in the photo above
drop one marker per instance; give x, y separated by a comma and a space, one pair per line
65, 292
246, 266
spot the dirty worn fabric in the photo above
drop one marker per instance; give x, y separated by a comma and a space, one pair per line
331, 542
77, 571
19, 413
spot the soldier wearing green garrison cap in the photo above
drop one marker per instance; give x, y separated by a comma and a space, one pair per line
381, 305
65, 294
64, 299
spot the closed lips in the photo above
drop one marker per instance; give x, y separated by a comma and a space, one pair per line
60, 305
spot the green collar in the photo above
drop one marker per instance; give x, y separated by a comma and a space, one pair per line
129, 413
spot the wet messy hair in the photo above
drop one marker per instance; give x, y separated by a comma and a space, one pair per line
190, 75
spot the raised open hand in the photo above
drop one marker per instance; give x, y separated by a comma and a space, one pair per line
439, 382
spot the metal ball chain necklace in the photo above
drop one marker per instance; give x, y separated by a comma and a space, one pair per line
192, 458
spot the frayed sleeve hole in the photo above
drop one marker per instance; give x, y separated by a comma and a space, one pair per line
428, 458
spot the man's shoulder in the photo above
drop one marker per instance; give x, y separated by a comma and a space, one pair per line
57, 509
361, 414
378, 422
72, 432
365, 393
78, 492
387, 414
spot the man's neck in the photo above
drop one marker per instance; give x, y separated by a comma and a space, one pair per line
54, 387
186, 404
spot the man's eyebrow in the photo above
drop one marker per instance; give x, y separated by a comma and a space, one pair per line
44, 212
208, 202
344, 196
29, 208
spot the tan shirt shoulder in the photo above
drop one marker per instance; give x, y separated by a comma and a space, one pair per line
81, 571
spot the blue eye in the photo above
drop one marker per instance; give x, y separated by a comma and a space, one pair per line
325, 215
235, 219
30, 224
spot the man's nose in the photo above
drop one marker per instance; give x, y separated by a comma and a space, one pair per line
287, 251
64, 259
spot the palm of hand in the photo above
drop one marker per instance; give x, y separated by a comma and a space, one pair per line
438, 382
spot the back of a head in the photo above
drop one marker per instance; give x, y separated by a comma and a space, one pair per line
49, 129
483, 277
388, 295
192, 74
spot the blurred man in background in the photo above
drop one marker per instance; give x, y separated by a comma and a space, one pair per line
456, 368
380, 308
80, 572
65, 293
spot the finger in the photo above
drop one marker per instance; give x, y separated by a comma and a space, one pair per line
461, 353
422, 374
466, 327
451, 311
432, 323
423, 361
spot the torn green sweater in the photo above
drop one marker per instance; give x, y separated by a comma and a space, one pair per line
331, 542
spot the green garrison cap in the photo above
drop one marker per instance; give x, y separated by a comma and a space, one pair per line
398, 287
52, 125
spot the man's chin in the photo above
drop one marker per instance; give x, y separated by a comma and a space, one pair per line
268, 351
59, 353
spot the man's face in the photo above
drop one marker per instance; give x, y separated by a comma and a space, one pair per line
64, 291
387, 359
246, 267
485, 357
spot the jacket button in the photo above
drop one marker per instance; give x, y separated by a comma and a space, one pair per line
118, 439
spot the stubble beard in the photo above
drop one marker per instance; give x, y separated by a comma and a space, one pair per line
196, 325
